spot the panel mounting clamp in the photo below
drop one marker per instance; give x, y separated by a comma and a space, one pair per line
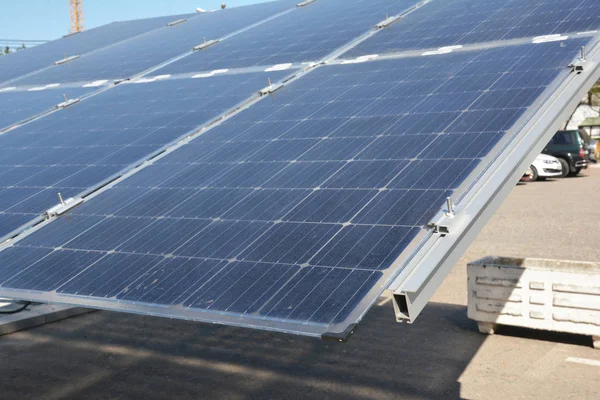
271, 88
388, 21
577, 66
440, 225
441, 230
207, 43
177, 22
66, 60
305, 3
67, 102
64, 206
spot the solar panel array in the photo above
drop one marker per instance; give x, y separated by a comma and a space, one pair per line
306, 35
45, 55
295, 212
77, 148
128, 58
461, 22
20, 105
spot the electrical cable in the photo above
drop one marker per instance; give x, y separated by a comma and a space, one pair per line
24, 305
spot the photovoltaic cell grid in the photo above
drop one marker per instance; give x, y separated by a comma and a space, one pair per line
79, 147
451, 22
290, 214
307, 34
19, 105
31, 60
126, 59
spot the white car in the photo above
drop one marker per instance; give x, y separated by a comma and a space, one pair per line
545, 166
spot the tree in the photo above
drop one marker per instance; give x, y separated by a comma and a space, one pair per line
592, 100
593, 95
6, 50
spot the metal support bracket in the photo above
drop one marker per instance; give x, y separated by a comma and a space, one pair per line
66, 60
205, 44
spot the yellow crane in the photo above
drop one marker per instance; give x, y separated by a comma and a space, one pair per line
76, 15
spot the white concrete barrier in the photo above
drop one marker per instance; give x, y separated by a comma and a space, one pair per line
553, 295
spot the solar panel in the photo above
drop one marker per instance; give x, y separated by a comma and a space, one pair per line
131, 57
79, 147
295, 214
306, 35
19, 105
42, 56
459, 22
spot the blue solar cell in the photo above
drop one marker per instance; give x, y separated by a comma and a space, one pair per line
307, 34
11, 222
258, 223
450, 22
128, 58
81, 146
30, 60
20, 105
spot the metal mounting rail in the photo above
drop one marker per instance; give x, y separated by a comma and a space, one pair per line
436, 257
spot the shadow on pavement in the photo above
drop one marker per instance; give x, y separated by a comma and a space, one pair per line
109, 355
546, 336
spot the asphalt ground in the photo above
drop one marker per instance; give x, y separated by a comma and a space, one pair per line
106, 355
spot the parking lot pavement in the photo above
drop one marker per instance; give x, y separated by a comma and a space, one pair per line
109, 355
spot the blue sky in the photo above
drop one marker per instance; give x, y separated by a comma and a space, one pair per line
49, 19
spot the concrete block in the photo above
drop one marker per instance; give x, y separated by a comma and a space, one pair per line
553, 295
36, 315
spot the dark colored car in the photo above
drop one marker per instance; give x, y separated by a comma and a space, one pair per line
570, 149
